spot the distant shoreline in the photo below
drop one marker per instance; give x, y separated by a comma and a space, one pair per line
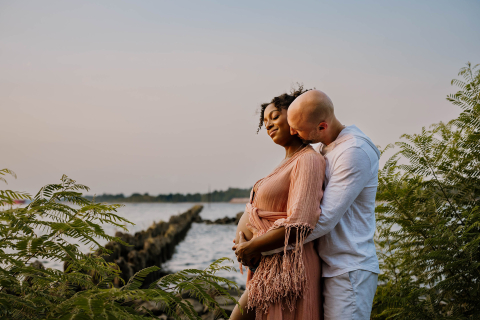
235, 194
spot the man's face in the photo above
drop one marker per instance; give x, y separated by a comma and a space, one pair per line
305, 135
306, 131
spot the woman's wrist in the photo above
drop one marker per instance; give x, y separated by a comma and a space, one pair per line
270, 240
252, 245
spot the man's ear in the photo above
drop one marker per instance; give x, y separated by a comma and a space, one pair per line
322, 126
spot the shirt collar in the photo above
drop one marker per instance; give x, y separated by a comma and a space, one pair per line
344, 135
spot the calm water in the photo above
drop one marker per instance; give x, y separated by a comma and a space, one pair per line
202, 245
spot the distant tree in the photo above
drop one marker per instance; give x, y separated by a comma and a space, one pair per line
429, 217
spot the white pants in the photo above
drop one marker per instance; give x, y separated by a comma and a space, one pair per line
349, 296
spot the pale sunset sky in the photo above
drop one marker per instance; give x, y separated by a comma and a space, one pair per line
161, 96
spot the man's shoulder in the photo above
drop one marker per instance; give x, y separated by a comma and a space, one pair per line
353, 147
355, 154
353, 144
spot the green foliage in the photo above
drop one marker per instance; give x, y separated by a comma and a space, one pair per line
9, 196
429, 217
215, 196
50, 228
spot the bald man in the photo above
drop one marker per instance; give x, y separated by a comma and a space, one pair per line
347, 223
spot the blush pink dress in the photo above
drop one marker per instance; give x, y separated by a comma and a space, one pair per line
286, 285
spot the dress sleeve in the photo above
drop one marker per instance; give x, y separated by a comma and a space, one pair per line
305, 193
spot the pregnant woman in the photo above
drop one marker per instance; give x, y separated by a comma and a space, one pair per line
284, 208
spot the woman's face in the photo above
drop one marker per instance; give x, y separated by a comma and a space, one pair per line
275, 120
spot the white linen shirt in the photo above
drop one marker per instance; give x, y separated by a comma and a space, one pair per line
347, 223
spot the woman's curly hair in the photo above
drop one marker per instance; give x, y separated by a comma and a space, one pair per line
281, 102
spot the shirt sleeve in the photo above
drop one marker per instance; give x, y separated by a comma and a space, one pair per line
351, 173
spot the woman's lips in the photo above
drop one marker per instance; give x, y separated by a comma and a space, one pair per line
272, 132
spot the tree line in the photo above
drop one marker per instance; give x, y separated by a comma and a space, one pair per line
215, 196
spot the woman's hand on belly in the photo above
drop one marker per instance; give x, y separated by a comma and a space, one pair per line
246, 254
243, 227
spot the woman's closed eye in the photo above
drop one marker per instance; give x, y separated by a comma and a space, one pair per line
273, 117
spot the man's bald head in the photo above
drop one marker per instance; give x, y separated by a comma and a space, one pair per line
311, 107
311, 115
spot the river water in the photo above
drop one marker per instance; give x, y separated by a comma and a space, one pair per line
203, 243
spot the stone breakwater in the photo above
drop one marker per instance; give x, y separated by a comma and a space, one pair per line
152, 246
225, 220
155, 246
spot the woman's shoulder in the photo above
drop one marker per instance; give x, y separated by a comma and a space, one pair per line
309, 162
310, 157
309, 154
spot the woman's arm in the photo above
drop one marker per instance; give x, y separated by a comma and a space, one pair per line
250, 252
303, 210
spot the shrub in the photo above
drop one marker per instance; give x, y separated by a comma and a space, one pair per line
429, 217
49, 228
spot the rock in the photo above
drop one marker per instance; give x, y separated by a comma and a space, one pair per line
236, 293
186, 294
197, 306
150, 247
137, 258
239, 216
225, 220
208, 316
125, 268
116, 251
226, 304
198, 219
223, 300
229, 309
37, 265
163, 317
153, 307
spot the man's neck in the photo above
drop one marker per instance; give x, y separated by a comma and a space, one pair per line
336, 128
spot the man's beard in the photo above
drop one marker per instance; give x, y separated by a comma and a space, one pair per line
306, 141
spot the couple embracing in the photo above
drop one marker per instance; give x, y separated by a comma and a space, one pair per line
306, 236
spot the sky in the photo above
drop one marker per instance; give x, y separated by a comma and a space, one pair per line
161, 96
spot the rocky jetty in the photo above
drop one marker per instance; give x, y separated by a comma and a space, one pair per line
155, 246
152, 246
225, 220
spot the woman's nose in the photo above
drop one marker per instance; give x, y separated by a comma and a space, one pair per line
268, 125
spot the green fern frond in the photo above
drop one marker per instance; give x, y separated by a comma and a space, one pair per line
137, 280
4, 172
428, 217
50, 228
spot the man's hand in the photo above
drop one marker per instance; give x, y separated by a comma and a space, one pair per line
245, 252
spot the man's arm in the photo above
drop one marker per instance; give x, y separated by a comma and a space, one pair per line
351, 174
